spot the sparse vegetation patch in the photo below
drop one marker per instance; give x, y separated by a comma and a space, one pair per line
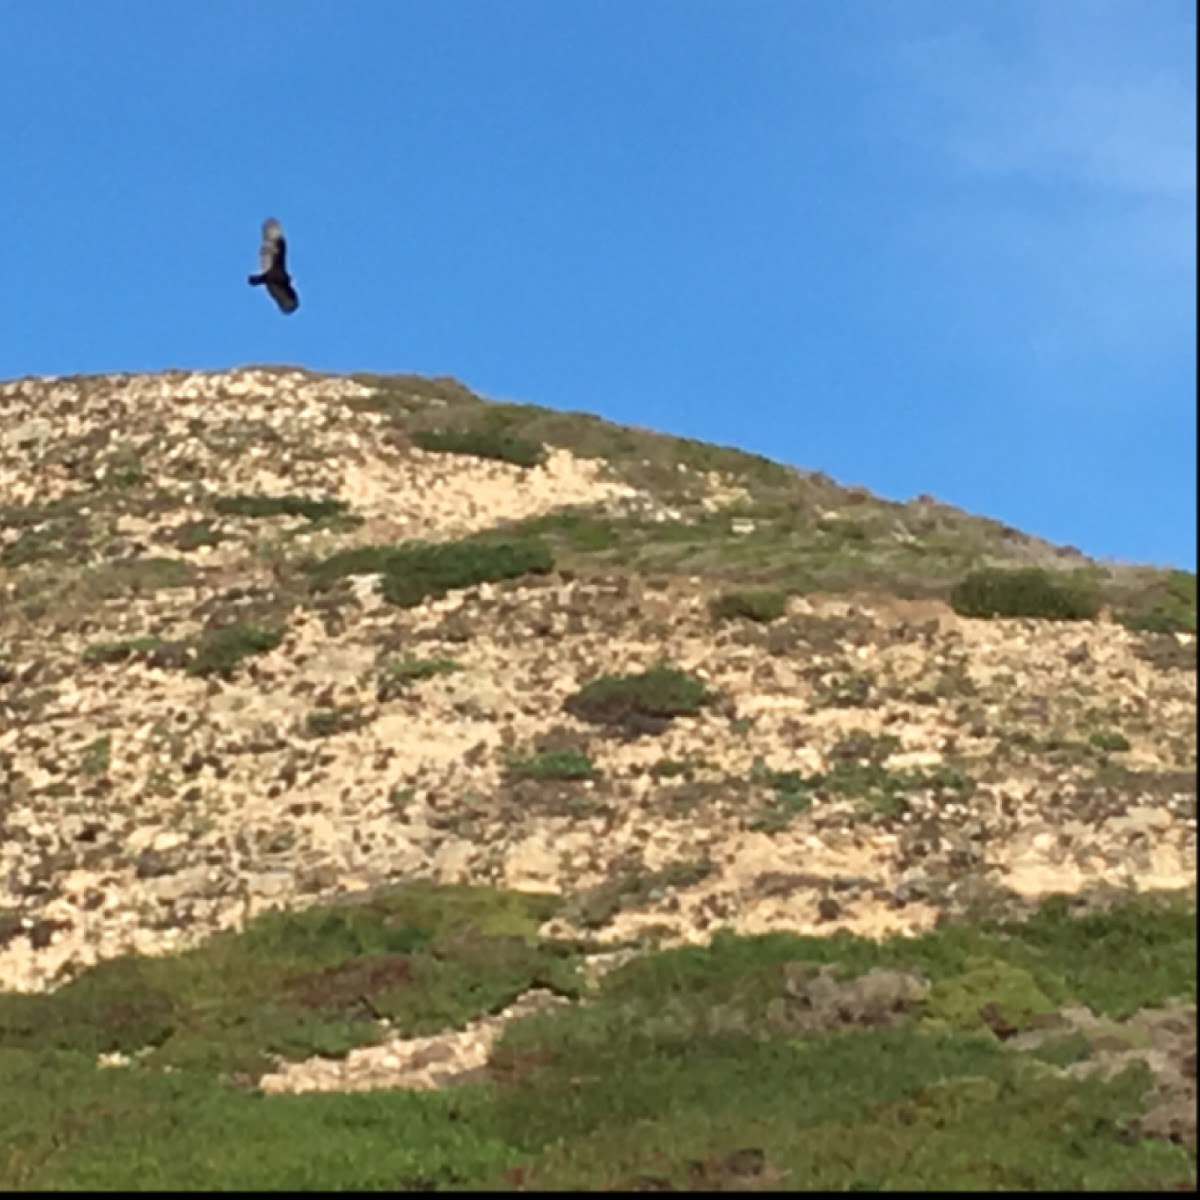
858, 771
397, 675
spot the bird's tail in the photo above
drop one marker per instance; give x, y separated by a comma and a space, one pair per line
257, 279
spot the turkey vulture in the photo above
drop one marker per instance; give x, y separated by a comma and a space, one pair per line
272, 260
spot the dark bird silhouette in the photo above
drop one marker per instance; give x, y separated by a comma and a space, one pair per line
272, 262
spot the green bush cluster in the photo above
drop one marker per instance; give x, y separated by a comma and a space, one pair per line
552, 764
659, 694
220, 650
311, 508
482, 443
762, 606
417, 571
1024, 592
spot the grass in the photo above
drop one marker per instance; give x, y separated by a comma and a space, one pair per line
299, 984
597, 906
122, 577
777, 1062
1166, 603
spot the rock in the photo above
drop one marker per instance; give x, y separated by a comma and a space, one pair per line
531, 864
28, 433
452, 860
270, 885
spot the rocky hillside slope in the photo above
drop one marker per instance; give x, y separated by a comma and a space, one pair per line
683, 686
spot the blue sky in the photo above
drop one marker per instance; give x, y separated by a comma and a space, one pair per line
943, 247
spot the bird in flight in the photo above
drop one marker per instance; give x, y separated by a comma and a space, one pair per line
272, 261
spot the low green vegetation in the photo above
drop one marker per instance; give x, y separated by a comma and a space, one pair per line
310, 507
671, 768
413, 572
218, 651
1025, 592
331, 720
121, 577
97, 757
777, 1062
482, 442
1108, 741
644, 700
857, 770
297, 984
597, 906
762, 606
192, 535
122, 650
551, 764
1165, 604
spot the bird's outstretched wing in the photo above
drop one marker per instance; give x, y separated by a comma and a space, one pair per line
283, 293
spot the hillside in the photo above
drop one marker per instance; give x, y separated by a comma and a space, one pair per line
272, 640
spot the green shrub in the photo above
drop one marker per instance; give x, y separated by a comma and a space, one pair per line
1157, 620
310, 508
111, 652
326, 722
1024, 592
482, 443
1167, 605
191, 535
429, 571
762, 606
552, 764
1109, 741
417, 571
659, 694
220, 650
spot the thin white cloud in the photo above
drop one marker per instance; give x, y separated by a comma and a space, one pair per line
1065, 136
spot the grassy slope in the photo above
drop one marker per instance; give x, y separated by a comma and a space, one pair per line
706, 1067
